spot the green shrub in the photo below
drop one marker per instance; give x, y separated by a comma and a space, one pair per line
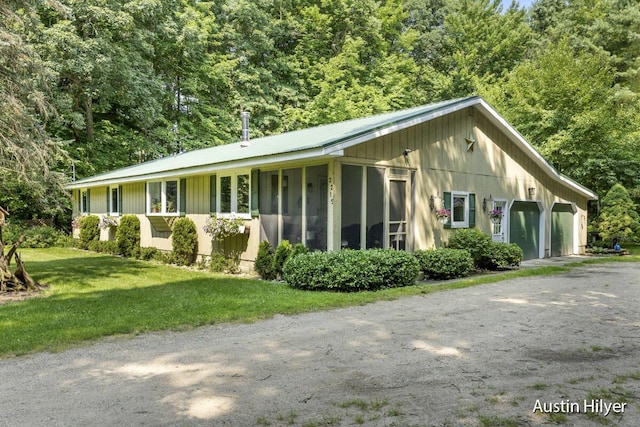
218, 262
501, 255
128, 236
150, 253
471, 239
104, 246
185, 241
264, 261
298, 249
89, 230
351, 270
283, 252
444, 263
41, 236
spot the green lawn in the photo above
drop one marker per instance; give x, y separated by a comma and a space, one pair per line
91, 296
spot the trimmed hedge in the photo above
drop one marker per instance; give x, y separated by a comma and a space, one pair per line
184, 241
485, 253
472, 240
351, 270
444, 263
128, 236
501, 255
89, 230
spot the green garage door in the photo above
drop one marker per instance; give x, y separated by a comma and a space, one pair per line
561, 229
524, 228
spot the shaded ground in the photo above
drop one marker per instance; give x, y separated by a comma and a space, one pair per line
485, 355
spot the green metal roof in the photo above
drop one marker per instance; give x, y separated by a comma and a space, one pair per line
320, 138
313, 143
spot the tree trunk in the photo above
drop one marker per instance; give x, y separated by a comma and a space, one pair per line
20, 280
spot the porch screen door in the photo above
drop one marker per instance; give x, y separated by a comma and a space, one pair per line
498, 234
398, 213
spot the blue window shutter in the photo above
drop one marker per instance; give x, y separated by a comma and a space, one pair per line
213, 193
472, 210
108, 209
255, 192
183, 196
446, 198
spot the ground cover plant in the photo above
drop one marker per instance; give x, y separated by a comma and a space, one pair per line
93, 295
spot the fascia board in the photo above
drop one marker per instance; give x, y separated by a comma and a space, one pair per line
213, 168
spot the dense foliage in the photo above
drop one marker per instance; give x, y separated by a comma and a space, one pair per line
81, 80
264, 261
485, 253
444, 263
184, 239
618, 218
128, 236
351, 270
89, 230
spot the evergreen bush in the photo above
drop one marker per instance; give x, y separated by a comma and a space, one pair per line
89, 230
41, 236
351, 270
185, 241
298, 249
264, 261
128, 236
283, 252
618, 216
444, 263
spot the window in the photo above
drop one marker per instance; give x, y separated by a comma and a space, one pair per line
84, 201
462, 207
163, 197
114, 200
235, 194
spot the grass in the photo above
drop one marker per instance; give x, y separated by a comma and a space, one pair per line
91, 296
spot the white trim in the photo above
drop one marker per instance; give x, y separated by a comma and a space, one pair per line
118, 197
233, 203
467, 209
163, 198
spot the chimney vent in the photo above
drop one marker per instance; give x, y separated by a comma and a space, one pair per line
245, 129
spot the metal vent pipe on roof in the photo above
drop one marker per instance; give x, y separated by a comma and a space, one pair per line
245, 128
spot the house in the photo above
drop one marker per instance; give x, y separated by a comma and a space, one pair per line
364, 183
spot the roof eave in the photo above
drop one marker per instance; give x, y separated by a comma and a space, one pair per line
317, 153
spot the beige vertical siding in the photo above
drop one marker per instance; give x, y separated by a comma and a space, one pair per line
495, 168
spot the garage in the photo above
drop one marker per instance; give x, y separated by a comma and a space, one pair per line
562, 229
524, 228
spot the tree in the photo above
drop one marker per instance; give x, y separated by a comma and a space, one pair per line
28, 155
618, 217
566, 104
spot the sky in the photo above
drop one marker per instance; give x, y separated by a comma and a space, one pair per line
524, 3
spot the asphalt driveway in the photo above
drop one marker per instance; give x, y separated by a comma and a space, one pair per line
529, 351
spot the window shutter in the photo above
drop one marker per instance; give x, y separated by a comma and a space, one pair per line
472, 210
213, 193
79, 194
255, 192
183, 196
108, 208
120, 199
88, 201
447, 205
146, 198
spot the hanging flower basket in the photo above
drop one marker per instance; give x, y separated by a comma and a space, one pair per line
443, 215
496, 216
